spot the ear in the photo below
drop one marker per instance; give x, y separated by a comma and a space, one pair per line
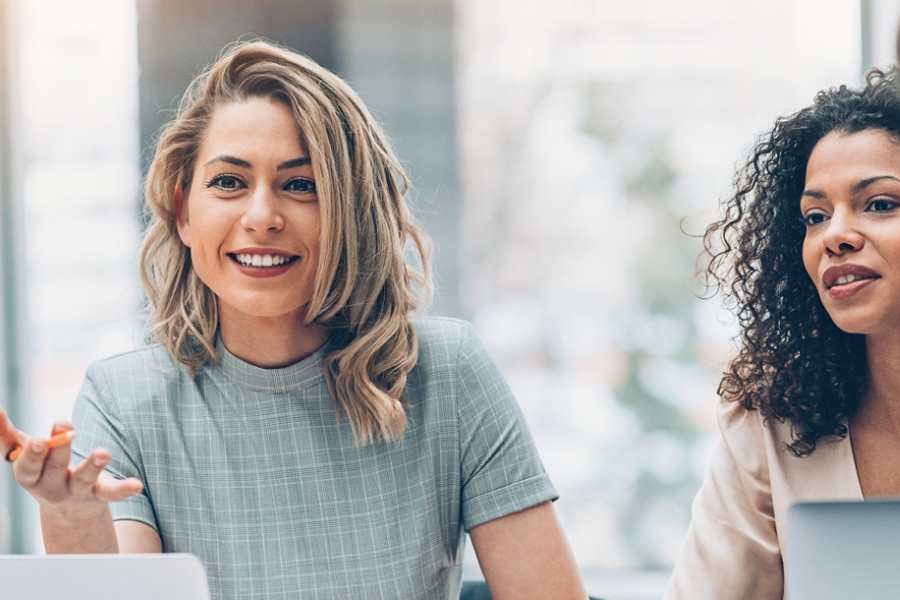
182, 220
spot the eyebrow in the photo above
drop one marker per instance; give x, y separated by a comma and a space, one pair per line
290, 164
867, 182
232, 160
854, 189
239, 162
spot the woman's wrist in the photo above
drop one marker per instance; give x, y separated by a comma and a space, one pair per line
75, 532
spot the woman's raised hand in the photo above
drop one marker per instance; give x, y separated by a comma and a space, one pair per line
74, 495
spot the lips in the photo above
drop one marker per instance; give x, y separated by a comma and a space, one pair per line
846, 275
844, 281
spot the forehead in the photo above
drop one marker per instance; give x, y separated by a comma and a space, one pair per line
853, 157
253, 127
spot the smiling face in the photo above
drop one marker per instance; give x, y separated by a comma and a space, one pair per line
851, 206
251, 218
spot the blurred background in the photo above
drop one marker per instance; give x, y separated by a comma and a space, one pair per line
561, 153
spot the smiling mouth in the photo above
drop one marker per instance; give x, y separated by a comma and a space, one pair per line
262, 260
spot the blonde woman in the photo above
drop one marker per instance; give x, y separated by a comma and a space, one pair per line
292, 425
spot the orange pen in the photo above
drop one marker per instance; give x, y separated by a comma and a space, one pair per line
57, 440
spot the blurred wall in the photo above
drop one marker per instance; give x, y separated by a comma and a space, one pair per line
177, 39
396, 53
399, 55
879, 19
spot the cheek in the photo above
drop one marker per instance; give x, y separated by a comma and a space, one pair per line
309, 228
207, 238
200, 239
891, 245
811, 259
314, 259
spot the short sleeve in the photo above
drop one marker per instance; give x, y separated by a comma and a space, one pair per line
501, 470
732, 548
98, 423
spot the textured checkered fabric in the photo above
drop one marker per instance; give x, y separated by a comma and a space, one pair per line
247, 468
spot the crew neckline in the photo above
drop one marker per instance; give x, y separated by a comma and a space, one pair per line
301, 374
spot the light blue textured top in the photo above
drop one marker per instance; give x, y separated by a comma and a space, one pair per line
247, 468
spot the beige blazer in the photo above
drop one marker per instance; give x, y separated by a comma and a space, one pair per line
733, 547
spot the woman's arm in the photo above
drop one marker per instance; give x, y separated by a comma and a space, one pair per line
732, 548
525, 556
137, 538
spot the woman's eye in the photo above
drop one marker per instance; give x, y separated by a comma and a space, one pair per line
813, 219
882, 205
226, 182
301, 186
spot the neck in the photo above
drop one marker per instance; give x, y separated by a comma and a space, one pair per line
882, 400
269, 342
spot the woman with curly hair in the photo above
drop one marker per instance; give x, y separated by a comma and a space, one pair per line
293, 426
808, 251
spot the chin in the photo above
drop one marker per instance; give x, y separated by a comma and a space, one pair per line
859, 326
273, 312
264, 308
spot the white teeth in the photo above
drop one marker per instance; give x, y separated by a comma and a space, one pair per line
257, 260
847, 279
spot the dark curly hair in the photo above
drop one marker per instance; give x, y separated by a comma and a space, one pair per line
794, 363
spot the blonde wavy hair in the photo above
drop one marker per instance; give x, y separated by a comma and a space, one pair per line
364, 290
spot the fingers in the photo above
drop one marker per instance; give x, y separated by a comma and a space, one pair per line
56, 465
42, 466
12, 441
43, 469
10, 437
4, 422
30, 464
61, 426
84, 476
46, 473
115, 490
90, 478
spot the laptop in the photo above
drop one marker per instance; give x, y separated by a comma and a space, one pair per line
103, 577
841, 550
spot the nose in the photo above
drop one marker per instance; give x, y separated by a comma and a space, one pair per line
843, 234
262, 212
